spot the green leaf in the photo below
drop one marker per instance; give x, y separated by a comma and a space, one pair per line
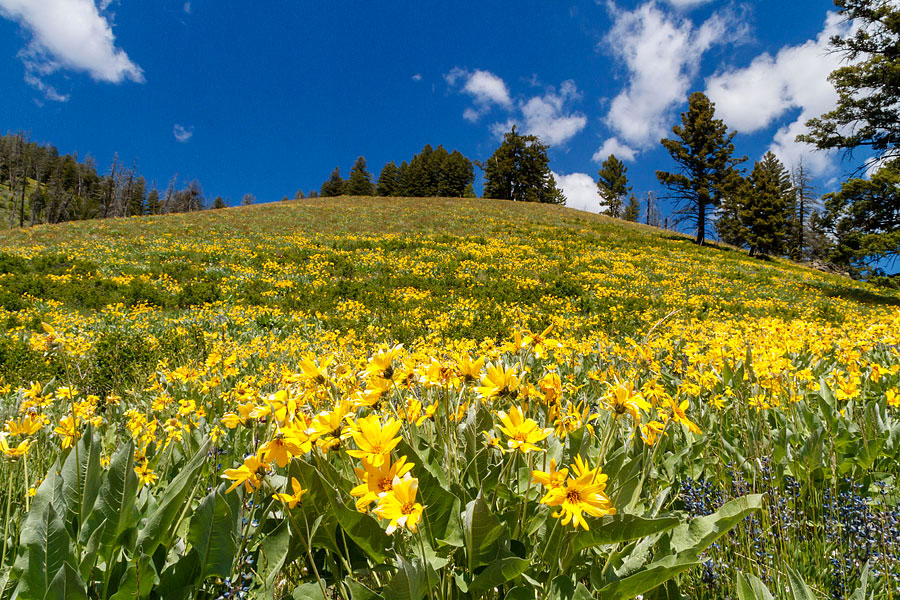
482, 530
138, 580
362, 529
360, 592
410, 582
67, 584
564, 587
308, 591
697, 535
46, 547
81, 479
497, 573
520, 592
667, 591
212, 536
274, 551
613, 529
799, 589
177, 580
750, 587
159, 524
644, 580
89, 552
861, 590
115, 502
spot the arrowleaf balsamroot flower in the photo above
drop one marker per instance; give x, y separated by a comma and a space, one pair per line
551, 479
377, 481
13, 452
292, 499
499, 382
251, 473
622, 400
522, 433
579, 495
375, 441
400, 506
27, 425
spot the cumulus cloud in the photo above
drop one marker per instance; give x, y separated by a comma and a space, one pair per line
614, 146
662, 53
548, 116
68, 34
754, 97
687, 4
182, 133
580, 191
417, 77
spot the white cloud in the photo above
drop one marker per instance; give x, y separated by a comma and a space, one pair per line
614, 146
546, 117
485, 88
417, 77
755, 97
662, 53
187, 7
580, 191
687, 4
182, 134
69, 34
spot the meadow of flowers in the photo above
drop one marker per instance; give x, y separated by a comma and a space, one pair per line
409, 399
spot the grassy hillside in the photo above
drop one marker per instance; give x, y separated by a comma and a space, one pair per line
760, 395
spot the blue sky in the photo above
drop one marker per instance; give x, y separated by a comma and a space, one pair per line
268, 100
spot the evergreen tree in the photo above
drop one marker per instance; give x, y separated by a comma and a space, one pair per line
519, 170
765, 209
613, 185
313, 193
299, 195
455, 174
703, 152
154, 206
863, 218
218, 202
334, 186
136, 199
248, 199
632, 210
388, 180
868, 86
360, 182
729, 225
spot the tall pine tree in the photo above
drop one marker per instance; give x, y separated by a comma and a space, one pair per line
334, 186
519, 170
360, 181
703, 150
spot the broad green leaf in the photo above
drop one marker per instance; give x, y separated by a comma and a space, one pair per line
89, 552
159, 523
115, 502
46, 547
81, 479
360, 592
177, 580
138, 580
274, 552
799, 589
520, 592
644, 580
67, 585
211, 535
613, 529
564, 587
410, 582
362, 529
497, 573
667, 591
751, 587
308, 591
482, 530
697, 535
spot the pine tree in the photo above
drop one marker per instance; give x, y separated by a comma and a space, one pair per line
703, 152
633, 209
299, 195
613, 185
334, 186
519, 170
388, 180
868, 85
765, 209
218, 202
803, 208
248, 199
360, 182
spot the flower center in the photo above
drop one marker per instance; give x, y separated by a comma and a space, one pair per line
407, 508
573, 496
519, 437
385, 485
